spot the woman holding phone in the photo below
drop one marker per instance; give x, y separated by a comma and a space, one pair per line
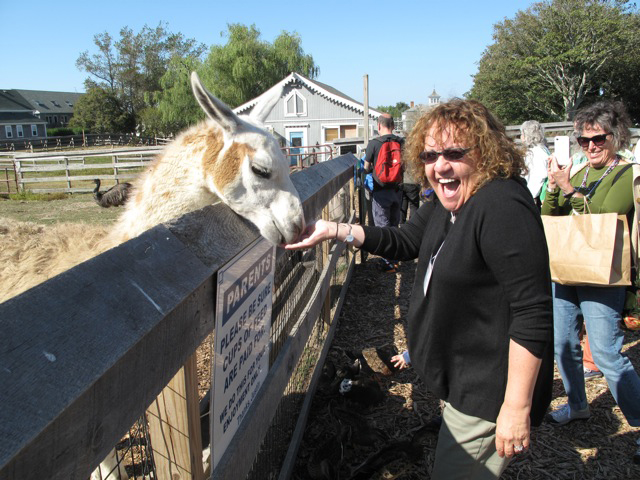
602, 185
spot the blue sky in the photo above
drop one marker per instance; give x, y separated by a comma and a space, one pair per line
407, 48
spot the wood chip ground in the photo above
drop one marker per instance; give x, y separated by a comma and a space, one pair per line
374, 315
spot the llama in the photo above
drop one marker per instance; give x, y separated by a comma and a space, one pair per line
226, 157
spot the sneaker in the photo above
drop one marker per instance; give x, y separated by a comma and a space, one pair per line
591, 374
564, 415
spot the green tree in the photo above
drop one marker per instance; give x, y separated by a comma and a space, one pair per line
394, 110
100, 111
550, 58
132, 67
176, 108
247, 66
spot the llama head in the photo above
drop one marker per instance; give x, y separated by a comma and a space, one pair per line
250, 173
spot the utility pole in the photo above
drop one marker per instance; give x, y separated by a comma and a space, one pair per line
366, 111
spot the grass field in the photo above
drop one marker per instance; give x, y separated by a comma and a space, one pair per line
49, 209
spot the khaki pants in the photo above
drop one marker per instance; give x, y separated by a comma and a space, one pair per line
466, 448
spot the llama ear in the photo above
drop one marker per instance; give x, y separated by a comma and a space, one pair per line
264, 106
215, 109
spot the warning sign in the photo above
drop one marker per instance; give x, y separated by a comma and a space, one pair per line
243, 322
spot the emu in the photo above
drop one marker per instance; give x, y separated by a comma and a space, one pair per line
114, 197
226, 157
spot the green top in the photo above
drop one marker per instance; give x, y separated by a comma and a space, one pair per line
606, 198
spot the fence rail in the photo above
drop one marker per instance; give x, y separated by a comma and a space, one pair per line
70, 142
83, 355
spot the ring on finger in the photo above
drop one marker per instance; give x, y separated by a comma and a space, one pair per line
518, 448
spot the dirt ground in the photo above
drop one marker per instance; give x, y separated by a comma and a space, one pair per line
599, 448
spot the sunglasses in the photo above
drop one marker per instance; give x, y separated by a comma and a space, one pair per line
598, 140
449, 154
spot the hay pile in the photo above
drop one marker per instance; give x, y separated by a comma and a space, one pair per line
600, 448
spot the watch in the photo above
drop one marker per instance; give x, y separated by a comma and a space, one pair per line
349, 238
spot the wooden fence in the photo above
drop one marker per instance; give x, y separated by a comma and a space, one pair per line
561, 128
70, 142
84, 355
74, 172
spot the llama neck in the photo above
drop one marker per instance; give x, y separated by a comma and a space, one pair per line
171, 187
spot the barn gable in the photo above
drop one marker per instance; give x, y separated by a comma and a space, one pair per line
312, 114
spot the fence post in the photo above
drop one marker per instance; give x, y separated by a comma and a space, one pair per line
115, 168
66, 171
174, 427
326, 310
17, 164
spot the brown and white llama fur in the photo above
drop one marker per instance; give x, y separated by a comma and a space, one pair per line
226, 157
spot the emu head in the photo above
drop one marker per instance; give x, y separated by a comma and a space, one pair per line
251, 174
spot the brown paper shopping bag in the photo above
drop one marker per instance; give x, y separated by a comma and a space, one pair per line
592, 249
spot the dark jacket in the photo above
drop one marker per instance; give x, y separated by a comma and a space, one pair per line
490, 283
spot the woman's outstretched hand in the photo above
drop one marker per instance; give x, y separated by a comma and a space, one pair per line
314, 234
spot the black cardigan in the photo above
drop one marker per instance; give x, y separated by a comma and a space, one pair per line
490, 283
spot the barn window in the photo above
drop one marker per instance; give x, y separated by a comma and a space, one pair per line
19, 131
295, 105
348, 131
334, 132
330, 134
34, 130
8, 131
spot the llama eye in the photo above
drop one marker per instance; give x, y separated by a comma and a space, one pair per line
260, 171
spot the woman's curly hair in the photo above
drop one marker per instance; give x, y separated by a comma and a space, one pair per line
496, 155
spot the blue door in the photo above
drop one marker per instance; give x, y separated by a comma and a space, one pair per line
295, 140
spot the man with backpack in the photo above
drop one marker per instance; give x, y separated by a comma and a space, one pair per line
384, 160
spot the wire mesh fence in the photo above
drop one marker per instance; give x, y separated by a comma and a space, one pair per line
276, 443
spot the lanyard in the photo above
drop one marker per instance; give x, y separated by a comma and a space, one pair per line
607, 172
427, 276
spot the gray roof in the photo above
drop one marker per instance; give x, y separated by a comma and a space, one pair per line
330, 89
50, 102
19, 117
10, 100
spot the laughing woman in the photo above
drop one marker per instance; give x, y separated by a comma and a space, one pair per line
479, 323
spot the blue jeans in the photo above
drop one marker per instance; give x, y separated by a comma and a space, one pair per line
386, 206
600, 307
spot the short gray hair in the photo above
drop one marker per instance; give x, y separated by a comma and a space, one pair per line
532, 133
610, 116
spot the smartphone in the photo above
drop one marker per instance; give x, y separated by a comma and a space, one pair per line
561, 149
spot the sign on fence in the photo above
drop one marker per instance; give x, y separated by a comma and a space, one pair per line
243, 322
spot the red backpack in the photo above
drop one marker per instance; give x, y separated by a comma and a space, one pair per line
387, 170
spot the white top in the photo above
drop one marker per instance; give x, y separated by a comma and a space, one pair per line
536, 161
